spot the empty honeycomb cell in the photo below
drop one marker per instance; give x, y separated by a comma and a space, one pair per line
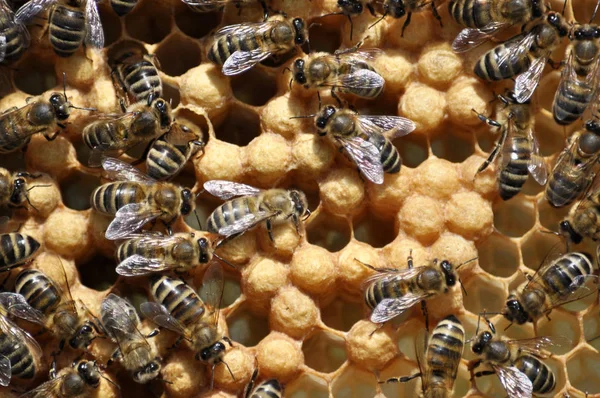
149, 22
241, 362
498, 255
324, 352
293, 313
312, 269
171, 94
483, 293
65, 232
35, 74
279, 356
374, 230
550, 217
351, 273
561, 324
53, 157
195, 24
325, 36
177, 55
77, 188
240, 126
353, 382
547, 90
538, 247
385, 199
269, 158
98, 273
221, 161
531, 187
423, 105
413, 149
246, 327
583, 369
111, 24
419, 33
342, 191
514, 217
464, 95
591, 327
453, 146
254, 88
396, 68
438, 65
399, 368
422, 217
550, 142
78, 69
437, 178
182, 376
341, 314
469, 215
312, 155
206, 87
370, 346
262, 280
307, 386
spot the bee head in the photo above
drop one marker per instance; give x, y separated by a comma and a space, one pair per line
19, 192
83, 337
566, 229
164, 112
204, 255
481, 341
149, 372
301, 33
299, 74
187, 201
300, 203
538, 7
589, 142
514, 311
586, 32
324, 117
395, 8
449, 272
593, 126
211, 354
350, 6
61, 106
89, 372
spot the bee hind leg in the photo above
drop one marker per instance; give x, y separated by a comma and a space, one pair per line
403, 379
270, 229
406, 23
436, 15
425, 314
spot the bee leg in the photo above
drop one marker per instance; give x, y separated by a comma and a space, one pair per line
296, 222
485, 373
435, 13
409, 259
471, 366
176, 343
425, 314
115, 355
265, 10
351, 26
270, 229
379, 326
228, 340
56, 133
403, 379
371, 10
3, 285
335, 97
375, 268
406, 23
52, 372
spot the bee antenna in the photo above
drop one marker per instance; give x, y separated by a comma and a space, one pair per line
308, 213
82, 108
304, 116
462, 287
466, 262
197, 218
224, 261
379, 20
509, 325
229, 369
109, 380
65, 84
164, 381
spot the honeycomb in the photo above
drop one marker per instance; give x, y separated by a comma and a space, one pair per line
294, 307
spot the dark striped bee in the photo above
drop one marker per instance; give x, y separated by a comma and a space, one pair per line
574, 171
178, 307
136, 199
399, 8
170, 152
524, 55
558, 281
16, 249
439, 366
216, 5
362, 137
238, 48
14, 188
483, 19
142, 122
123, 7
70, 23
267, 389
135, 72
517, 146
253, 207
15, 35
583, 219
122, 324
346, 71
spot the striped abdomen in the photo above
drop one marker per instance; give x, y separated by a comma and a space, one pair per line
365, 92
15, 249
178, 298
140, 78
487, 67
122, 7
39, 290
66, 29
267, 389
512, 177
22, 364
133, 246
571, 100
230, 212
227, 44
564, 188
390, 288
566, 274
541, 376
16, 130
471, 13
165, 159
105, 135
444, 350
109, 198
16, 39
389, 156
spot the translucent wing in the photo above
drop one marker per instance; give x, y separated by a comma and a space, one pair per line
137, 265
118, 170
536, 344
45, 390
227, 189
245, 223
537, 165
5, 371
244, 29
391, 308
393, 275
94, 35
366, 156
159, 315
527, 82
516, 48
356, 56
470, 38
31, 9
119, 317
10, 329
2, 47
396, 126
16, 305
208, 2
241, 61
359, 79
213, 283
129, 219
515, 382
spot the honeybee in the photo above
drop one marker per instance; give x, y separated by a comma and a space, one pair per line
70, 22
136, 199
524, 55
136, 73
583, 219
146, 254
14, 188
267, 389
239, 47
252, 207
123, 7
178, 307
556, 282
574, 169
142, 122
16, 249
439, 366
518, 147
484, 19
15, 35
363, 139
347, 71
136, 355
215, 5
170, 152
399, 8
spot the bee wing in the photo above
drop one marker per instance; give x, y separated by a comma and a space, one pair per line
31, 9
391, 308
45, 390
359, 79
137, 265
94, 35
5, 371
353, 56
130, 218
516, 48
227, 189
395, 126
366, 156
387, 276
576, 291
515, 382
526, 82
536, 344
10, 329
119, 170
16, 305
470, 38
159, 315
537, 165
241, 61
245, 223
214, 282
251, 28
119, 317
2, 47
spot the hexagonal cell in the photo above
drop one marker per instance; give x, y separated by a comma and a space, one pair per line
247, 328
550, 143
341, 314
307, 386
547, 90
486, 139
531, 187
453, 146
514, 217
149, 22
171, 94
537, 246
77, 189
399, 368
239, 127
328, 231
354, 383
561, 324
484, 293
35, 74
177, 55
413, 149
325, 36
550, 216
583, 370
98, 273
254, 87
195, 24
324, 352
374, 230
498, 255
111, 25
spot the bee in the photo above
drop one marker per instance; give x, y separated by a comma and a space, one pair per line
518, 147
123, 7
70, 22
267, 389
143, 121
170, 152
216, 5
363, 139
135, 72
399, 8
252, 207
574, 172
150, 253
178, 307
136, 199
238, 48
122, 325
583, 219
14, 188
516, 362
15, 35
439, 366
524, 55
484, 19
556, 282
16, 249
